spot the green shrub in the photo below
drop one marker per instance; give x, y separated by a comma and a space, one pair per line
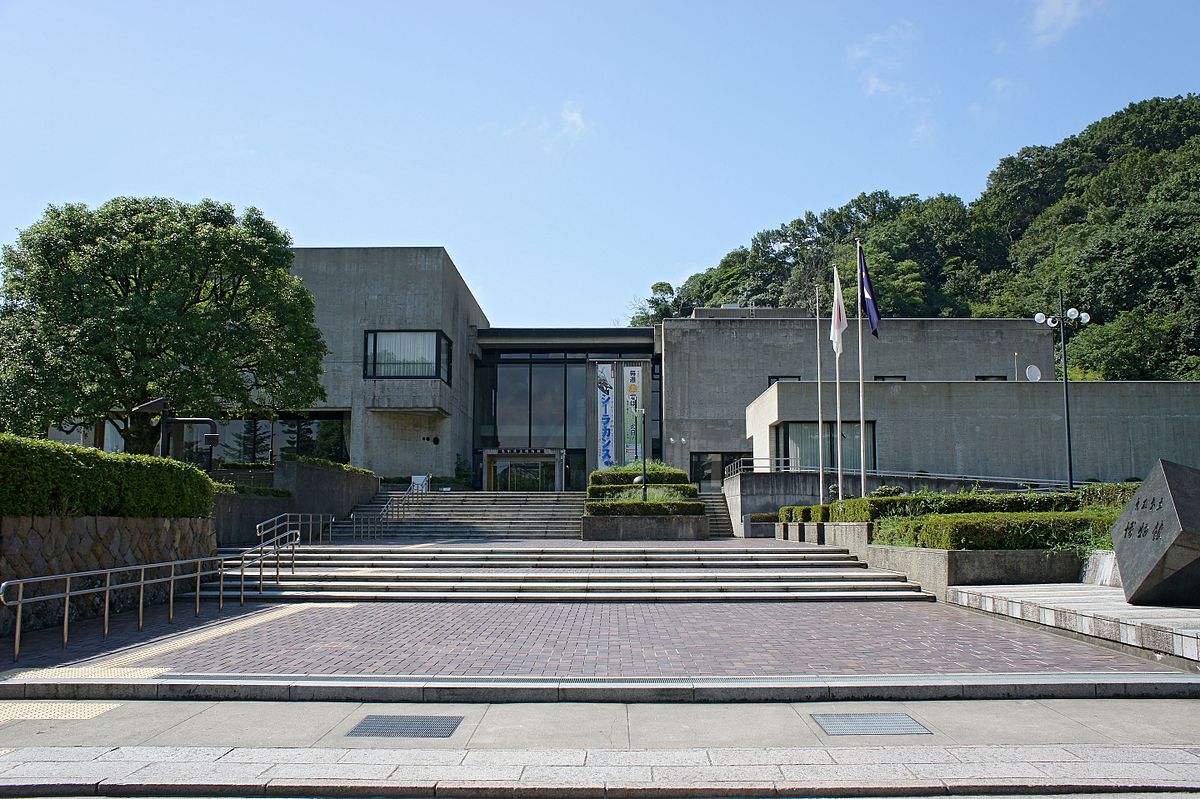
656, 473
869, 509
258, 491
624, 508
1109, 495
887, 491
345, 467
804, 513
247, 465
678, 490
1076, 530
44, 478
653, 494
758, 518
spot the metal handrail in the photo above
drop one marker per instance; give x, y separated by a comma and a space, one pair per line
301, 522
395, 509
179, 570
776, 465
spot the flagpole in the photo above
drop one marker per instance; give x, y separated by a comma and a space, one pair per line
837, 378
862, 422
820, 417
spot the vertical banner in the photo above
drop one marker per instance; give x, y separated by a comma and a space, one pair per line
606, 429
633, 403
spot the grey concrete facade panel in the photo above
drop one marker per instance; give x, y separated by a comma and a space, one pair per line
713, 368
394, 422
1119, 429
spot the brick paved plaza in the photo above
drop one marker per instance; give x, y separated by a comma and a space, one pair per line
589, 640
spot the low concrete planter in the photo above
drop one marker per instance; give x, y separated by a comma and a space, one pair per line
812, 532
756, 529
937, 569
644, 528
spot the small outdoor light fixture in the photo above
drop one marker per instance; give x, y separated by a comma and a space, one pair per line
1078, 318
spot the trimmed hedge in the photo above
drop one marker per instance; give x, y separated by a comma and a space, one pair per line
643, 508
258, 491
656, 473
345, 467
804, 513
684, 490
869, 509
1111, 495
759, 518
264, 466
45, 478
1010, 530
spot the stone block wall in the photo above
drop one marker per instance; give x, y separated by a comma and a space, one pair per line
35, 546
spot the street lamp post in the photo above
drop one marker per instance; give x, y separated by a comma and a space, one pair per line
1075, 316
641, 412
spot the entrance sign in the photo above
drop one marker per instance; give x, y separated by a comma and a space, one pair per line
633, 403
605, 410
1157, 539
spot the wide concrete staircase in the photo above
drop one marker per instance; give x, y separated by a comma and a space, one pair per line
504, 571
514, 514
458, 514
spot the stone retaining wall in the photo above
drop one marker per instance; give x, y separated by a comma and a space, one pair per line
34, 546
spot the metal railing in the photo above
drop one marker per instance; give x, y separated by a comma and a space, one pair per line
397, 508
304, 523
177, 570
776, 465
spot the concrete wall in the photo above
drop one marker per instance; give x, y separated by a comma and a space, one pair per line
46, 545
321, 489
1119, 429
394, 421
937, 569
236, 515
315, 489
714, 367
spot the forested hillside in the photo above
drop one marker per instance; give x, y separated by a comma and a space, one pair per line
1111, 215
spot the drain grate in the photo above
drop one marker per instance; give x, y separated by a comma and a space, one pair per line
406, 727
869, 724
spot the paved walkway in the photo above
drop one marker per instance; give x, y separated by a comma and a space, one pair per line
617, 640
1093, 610
585, 750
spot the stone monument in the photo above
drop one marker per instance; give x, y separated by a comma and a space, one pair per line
1157, 539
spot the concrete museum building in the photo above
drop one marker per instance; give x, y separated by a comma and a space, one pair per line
419, 382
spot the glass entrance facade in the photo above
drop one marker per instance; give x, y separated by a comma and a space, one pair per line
530, 398
522, 475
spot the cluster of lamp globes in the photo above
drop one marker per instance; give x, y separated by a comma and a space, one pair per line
1034, 374
1074, 314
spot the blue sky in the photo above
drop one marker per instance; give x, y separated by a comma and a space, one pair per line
566, 154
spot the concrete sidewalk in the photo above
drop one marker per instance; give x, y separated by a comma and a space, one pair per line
585, 750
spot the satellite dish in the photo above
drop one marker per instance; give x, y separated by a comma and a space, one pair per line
1032, 373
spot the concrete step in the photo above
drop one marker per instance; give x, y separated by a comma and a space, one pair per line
574, 587
643, 576
278, 595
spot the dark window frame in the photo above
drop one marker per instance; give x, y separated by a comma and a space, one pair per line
371, 355
891, 378
773, 379
991, 378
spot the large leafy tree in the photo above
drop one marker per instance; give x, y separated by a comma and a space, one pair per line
102, 309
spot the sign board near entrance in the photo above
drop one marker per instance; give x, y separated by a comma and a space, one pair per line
605, 410
633, 403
